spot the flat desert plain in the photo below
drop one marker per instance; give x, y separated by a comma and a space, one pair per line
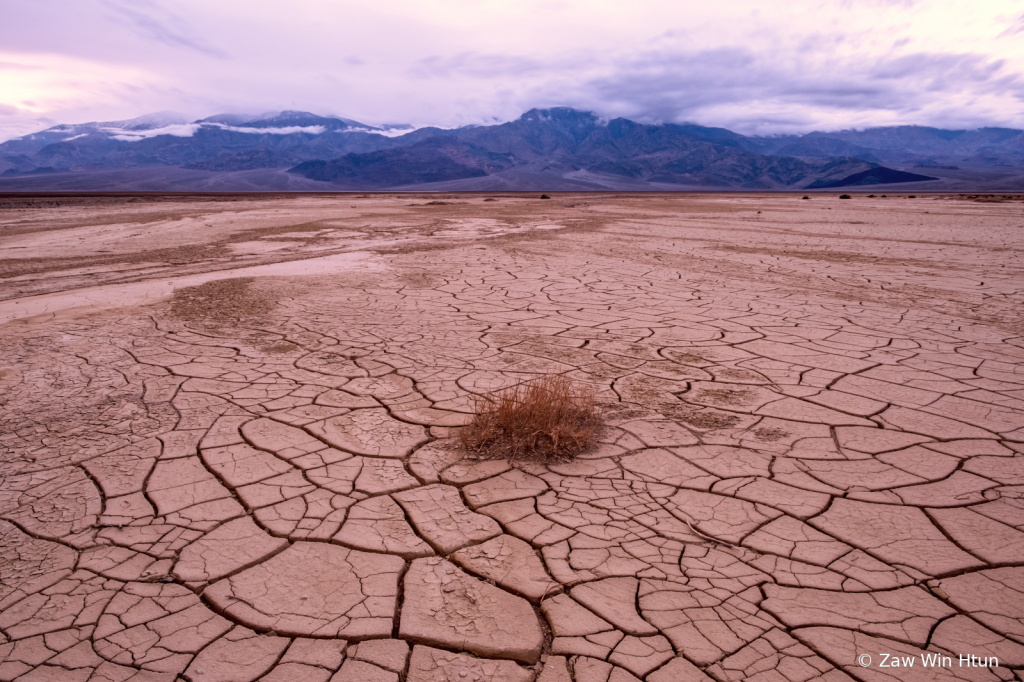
228, 438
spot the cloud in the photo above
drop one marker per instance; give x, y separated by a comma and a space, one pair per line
1015, 28
285, 130
755, 92
807, 64
957, 68
190, 129
14, 66
478, 65
386, 132
161, 26
180, 130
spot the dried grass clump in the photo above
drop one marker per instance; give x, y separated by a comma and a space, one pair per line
548, 419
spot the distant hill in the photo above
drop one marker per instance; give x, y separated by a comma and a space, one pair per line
543, 149
872, 176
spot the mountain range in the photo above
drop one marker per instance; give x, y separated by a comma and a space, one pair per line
544, 149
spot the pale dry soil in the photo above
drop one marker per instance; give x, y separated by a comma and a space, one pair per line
228, 453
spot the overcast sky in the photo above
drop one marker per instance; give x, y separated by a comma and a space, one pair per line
753, 66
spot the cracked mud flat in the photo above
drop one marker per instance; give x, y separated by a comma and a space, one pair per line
227, 439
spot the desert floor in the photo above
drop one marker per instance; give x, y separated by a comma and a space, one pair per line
226, 427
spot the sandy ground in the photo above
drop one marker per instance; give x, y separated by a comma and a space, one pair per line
227, 439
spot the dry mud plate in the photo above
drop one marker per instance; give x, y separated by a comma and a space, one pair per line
228, 447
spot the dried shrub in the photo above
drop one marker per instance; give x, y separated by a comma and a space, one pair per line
548, 419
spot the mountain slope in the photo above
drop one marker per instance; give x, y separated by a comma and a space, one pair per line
434, 160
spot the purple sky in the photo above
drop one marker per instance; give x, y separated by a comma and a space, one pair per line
753, 66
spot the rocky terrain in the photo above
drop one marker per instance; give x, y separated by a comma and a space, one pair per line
227, 444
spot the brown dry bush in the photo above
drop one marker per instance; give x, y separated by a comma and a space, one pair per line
548, 419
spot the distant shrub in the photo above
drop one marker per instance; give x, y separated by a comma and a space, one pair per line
544, 196
871, 196
844, 196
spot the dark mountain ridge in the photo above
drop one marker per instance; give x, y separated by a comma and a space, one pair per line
560, 141
539, 150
